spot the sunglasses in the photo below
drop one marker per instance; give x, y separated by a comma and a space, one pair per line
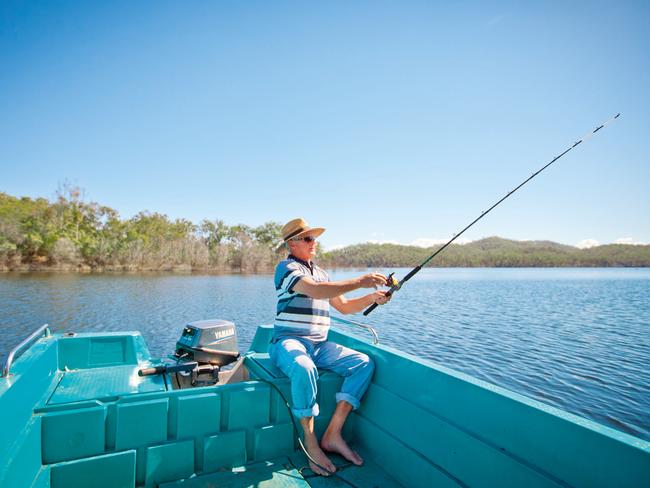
306, 239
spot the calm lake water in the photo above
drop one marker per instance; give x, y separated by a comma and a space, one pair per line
578, 339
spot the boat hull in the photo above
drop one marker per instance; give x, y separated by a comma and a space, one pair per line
81, 416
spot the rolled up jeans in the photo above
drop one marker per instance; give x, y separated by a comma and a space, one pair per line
299, 359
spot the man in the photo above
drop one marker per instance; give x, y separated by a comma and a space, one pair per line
299, 345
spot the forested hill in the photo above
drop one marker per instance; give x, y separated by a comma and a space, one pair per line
489, 252
72, 234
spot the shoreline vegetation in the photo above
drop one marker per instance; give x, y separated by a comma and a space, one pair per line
70, 234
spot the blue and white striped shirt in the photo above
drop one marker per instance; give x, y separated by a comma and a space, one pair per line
298, 314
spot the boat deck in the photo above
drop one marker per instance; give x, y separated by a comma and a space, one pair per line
291, 472
93, 384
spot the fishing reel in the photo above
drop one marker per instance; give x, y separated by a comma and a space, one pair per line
391, 281
394, 285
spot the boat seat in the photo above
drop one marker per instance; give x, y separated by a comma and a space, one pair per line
260, 365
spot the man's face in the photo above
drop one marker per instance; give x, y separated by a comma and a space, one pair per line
303, 247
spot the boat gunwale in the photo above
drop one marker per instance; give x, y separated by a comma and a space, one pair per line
592, 425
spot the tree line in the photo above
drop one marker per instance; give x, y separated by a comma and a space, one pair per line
491, 252
71, 233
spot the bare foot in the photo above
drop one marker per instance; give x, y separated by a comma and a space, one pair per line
319, 456
335, 443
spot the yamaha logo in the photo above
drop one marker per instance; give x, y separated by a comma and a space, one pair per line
220, 334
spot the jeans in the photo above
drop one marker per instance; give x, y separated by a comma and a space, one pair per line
298, 359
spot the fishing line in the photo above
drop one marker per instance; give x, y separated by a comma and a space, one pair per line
396, 285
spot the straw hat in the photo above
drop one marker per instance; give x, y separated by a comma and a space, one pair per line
297, 228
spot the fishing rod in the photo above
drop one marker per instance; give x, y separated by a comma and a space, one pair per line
396, 285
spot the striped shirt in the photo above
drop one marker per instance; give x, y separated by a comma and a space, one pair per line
298, 314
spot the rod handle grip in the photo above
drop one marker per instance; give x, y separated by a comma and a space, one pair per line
370, 309
151, 371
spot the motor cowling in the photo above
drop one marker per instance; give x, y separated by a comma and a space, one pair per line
212, 341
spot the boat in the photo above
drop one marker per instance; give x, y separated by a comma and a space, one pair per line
97, 410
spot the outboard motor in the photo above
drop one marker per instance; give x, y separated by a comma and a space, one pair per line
206, 354
211, 341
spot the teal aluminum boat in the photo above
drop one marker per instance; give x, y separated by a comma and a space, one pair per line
96, 410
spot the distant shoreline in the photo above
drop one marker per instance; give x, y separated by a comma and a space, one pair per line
72, 235
24, 270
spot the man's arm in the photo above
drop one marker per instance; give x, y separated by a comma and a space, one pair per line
331, 289
354, 305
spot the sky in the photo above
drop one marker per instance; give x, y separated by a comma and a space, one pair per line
383, 121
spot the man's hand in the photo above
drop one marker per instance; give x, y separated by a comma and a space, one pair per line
380, 297
372, 280
354, 305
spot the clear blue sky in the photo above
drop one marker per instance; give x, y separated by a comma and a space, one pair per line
387, 121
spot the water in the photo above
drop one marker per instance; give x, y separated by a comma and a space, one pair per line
578, 339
